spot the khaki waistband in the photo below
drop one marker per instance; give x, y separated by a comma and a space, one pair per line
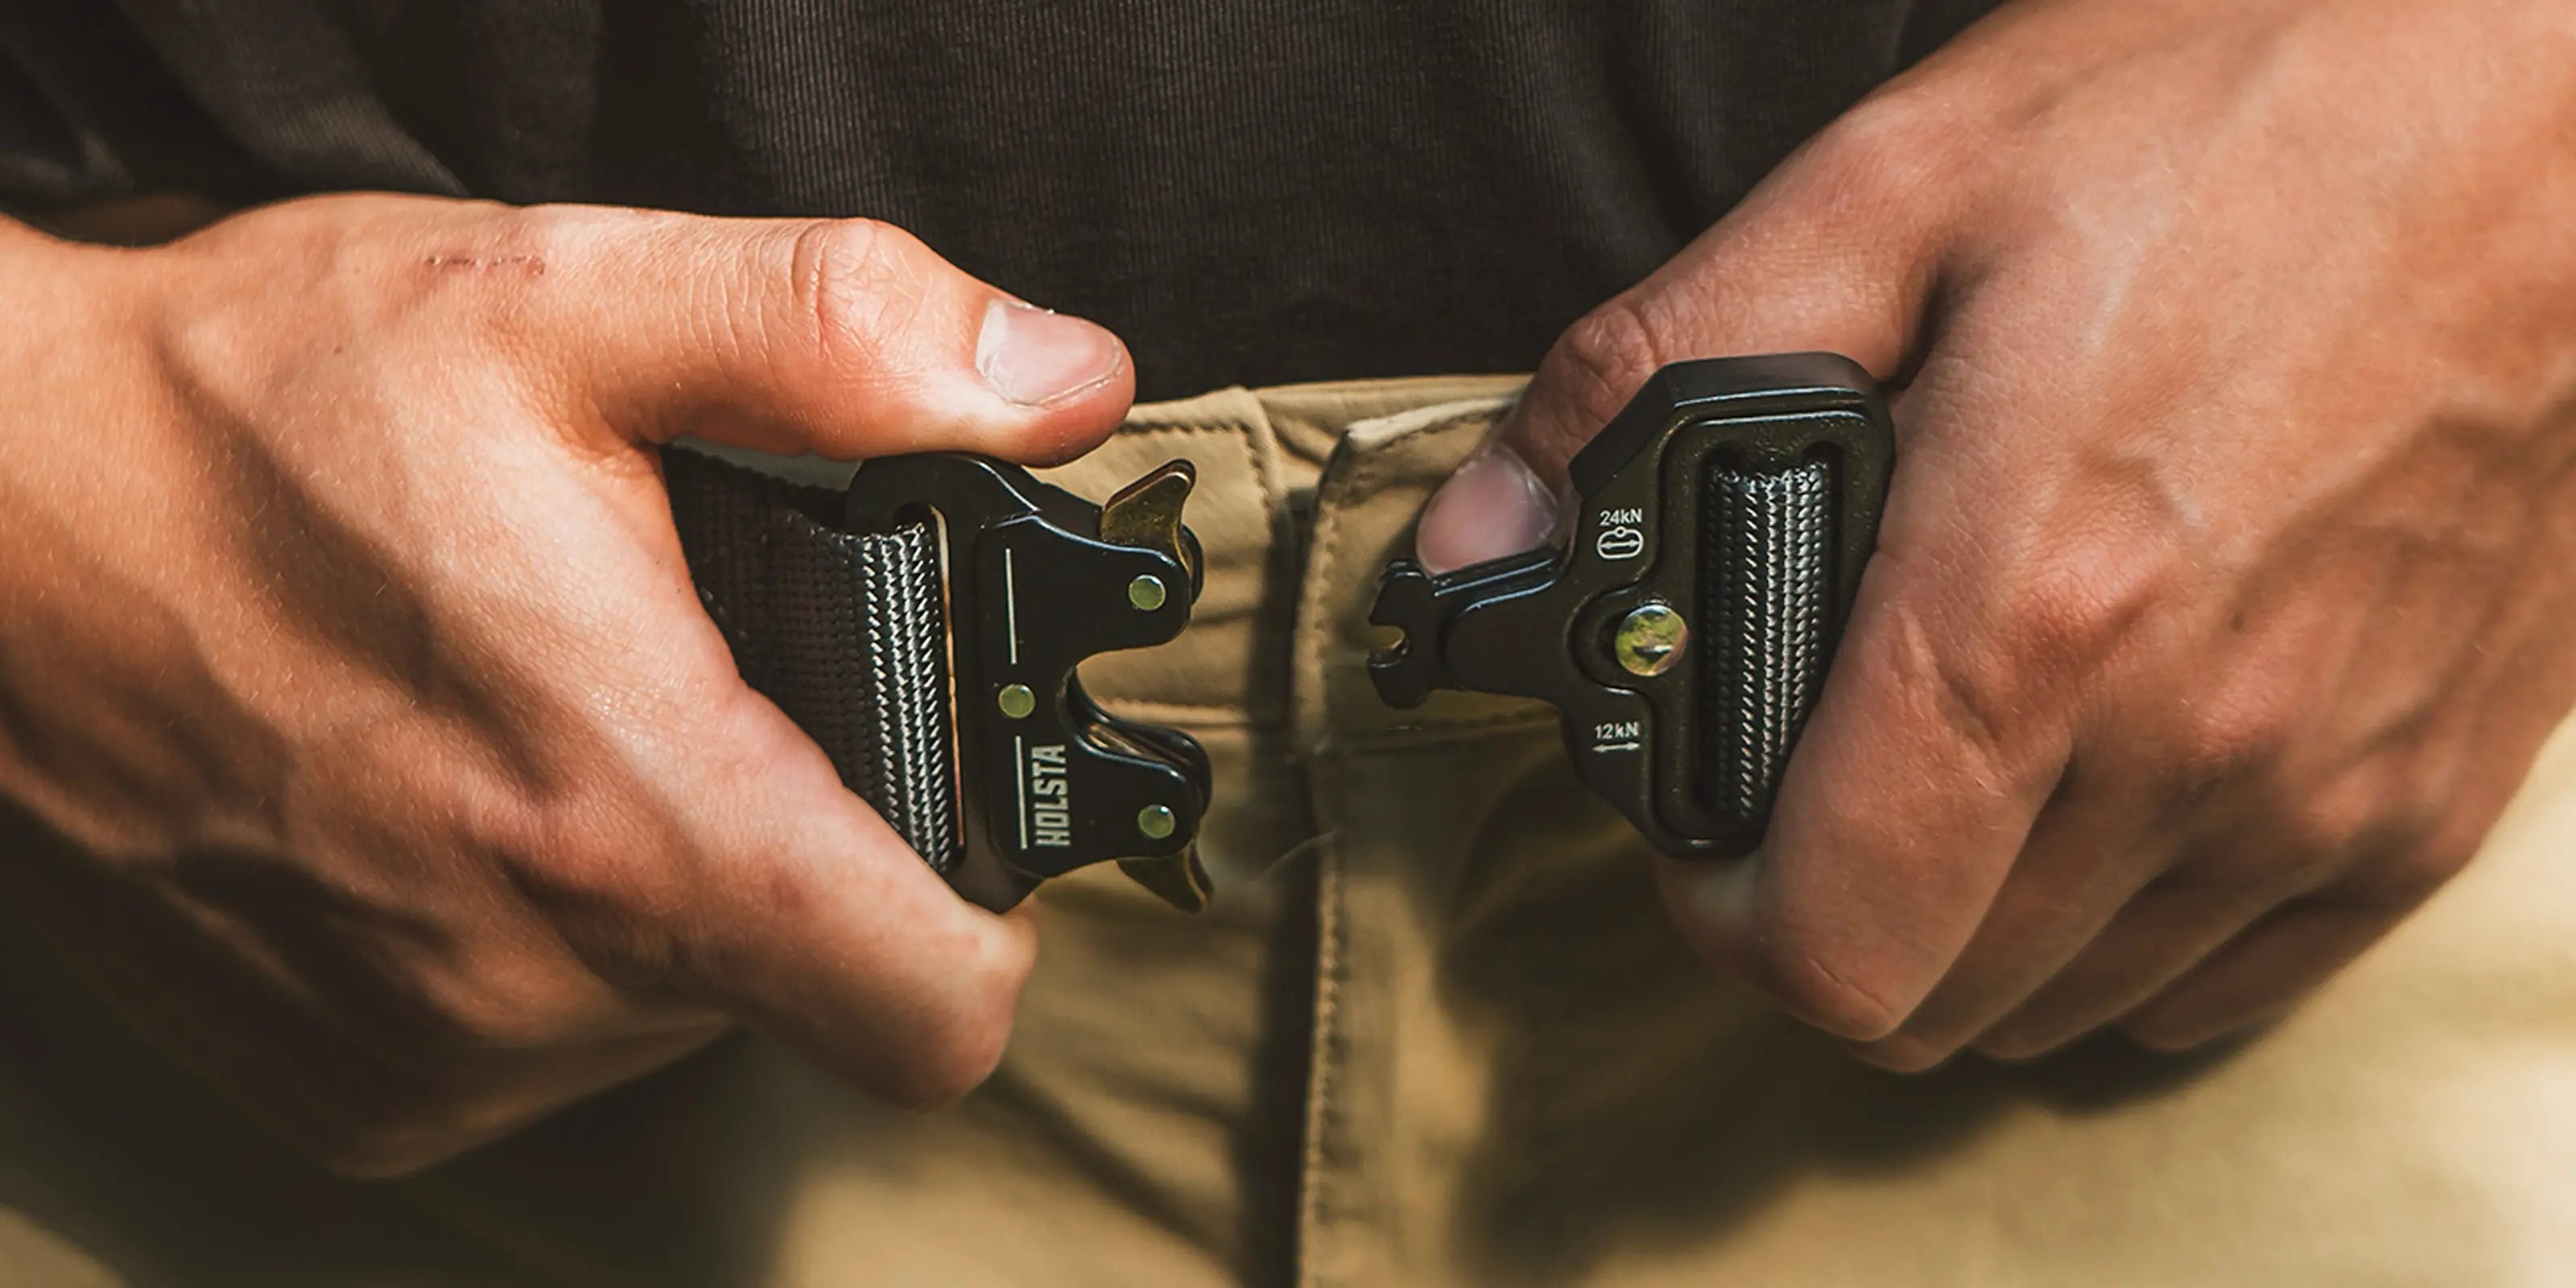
1304, 492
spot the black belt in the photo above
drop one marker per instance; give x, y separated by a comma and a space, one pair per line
925, 625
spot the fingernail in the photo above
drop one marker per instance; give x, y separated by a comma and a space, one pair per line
1493, 506
1031, 356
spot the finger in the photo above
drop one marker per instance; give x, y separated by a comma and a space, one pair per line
1950, 715
2163, 933
2297, 944
2239, 934
2260, 975
843, 337
2348, 838
1910, 794
1831, 254
807, 916
2086, 859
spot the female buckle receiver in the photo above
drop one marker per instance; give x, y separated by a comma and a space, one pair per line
1685, 628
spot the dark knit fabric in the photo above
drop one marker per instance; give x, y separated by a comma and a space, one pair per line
1248, 190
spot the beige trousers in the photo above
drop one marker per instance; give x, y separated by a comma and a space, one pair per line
1435, 1032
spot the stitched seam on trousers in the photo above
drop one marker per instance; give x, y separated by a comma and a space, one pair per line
1259, 442
1314, 628
1264, 471
1320, 1060
1326, 555
1312, 633
1146, 428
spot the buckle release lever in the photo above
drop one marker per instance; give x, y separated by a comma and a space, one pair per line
925, 627
1684, 628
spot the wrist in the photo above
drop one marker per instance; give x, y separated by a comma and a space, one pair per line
74, 360
57, 296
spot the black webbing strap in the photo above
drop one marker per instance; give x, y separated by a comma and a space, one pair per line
1767, 558
845, 631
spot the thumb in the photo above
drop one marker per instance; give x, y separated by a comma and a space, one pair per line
1828, 254
845, 338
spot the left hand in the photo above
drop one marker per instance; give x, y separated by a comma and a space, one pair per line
2227, 588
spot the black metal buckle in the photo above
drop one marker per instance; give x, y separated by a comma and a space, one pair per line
1604, 627
1037, 580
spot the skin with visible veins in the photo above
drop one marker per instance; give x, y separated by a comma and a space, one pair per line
2224, 594
2227, 588
412, 794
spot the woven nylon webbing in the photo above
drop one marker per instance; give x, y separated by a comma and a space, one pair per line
1768, 558
844, 631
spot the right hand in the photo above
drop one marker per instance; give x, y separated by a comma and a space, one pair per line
409, 792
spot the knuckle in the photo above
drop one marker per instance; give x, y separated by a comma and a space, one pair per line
2075, 608
596, 885
1891, 151
1971, 693
1983, 704
856, 282
2319, 835
963, 1047
951, 1061
2226, 741
1982, 722
2296, 852
1836, 992
2414, 875
1599, 363
937, 1080
497, 1006
602, 868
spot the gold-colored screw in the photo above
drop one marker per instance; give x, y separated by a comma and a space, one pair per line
1156, 822
1147, 593
1650, 640
1017, 701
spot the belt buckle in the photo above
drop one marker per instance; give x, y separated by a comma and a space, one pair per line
1038, 580
926, 625
1685, 625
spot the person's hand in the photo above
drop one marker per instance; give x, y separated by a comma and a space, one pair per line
347, 636
2228, 584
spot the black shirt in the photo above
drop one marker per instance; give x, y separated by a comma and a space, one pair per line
1247, 190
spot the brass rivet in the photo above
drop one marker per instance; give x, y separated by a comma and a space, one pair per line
1018, 701
1147, 593
1156, 822
1650, 640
